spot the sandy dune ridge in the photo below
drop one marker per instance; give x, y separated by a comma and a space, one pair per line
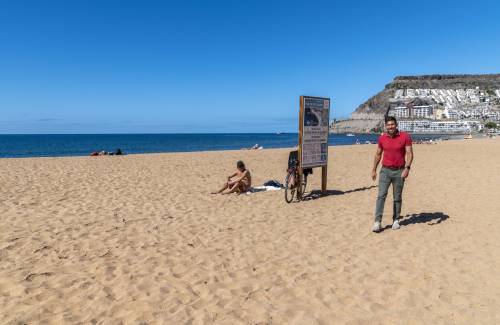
138, 239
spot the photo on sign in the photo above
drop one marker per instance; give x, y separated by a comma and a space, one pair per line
311, 117
324, 151
325, 118
326, 104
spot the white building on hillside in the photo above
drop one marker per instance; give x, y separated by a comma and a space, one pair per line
424, 111
399, 112
436, 127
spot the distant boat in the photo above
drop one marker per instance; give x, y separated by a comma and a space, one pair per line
278, 133
349, 134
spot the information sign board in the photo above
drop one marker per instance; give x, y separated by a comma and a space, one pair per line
313, 131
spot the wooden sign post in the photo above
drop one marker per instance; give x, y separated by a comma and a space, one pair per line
314, 120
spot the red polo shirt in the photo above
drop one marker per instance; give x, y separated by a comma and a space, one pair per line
394, 149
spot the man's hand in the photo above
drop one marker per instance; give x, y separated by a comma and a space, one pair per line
374, 174
405, 173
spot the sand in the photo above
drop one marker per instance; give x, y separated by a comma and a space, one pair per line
138, 239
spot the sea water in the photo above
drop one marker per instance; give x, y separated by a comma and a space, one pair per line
54, 145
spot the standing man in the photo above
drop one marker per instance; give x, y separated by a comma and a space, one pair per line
398, 156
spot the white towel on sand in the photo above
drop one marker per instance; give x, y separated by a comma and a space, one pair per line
262, 189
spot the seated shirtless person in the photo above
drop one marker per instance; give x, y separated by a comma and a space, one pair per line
239, 182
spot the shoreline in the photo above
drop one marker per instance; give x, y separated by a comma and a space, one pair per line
349, 141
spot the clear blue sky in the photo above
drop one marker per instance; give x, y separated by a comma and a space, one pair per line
222, 66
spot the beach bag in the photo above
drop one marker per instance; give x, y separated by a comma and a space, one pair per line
273, 183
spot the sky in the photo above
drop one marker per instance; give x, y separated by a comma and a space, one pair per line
222, 66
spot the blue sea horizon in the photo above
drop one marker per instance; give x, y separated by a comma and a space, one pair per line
61, 145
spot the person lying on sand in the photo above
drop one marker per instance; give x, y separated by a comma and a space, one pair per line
117, 152
255, 147
239, 182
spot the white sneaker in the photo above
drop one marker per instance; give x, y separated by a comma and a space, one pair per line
395, 225
377, 226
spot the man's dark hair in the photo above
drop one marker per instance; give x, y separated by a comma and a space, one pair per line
240, 164
391, 118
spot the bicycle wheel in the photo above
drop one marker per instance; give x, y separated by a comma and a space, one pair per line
301, 188
303, 185
289, 192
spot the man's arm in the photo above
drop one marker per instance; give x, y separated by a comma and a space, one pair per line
376, 161
409, 160
243, 175
409, 155
231, 176
239, 178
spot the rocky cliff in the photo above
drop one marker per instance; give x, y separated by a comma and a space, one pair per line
458, 94
376, 106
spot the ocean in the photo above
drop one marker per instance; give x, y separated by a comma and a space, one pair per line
56, 145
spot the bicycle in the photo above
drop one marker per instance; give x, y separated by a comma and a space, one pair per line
295, 183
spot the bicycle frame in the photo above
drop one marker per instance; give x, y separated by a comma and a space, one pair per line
295, 182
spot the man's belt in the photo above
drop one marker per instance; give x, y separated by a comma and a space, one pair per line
394, 167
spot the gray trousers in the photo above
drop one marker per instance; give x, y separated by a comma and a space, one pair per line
386, 178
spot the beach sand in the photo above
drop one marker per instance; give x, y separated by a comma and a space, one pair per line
138, 239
